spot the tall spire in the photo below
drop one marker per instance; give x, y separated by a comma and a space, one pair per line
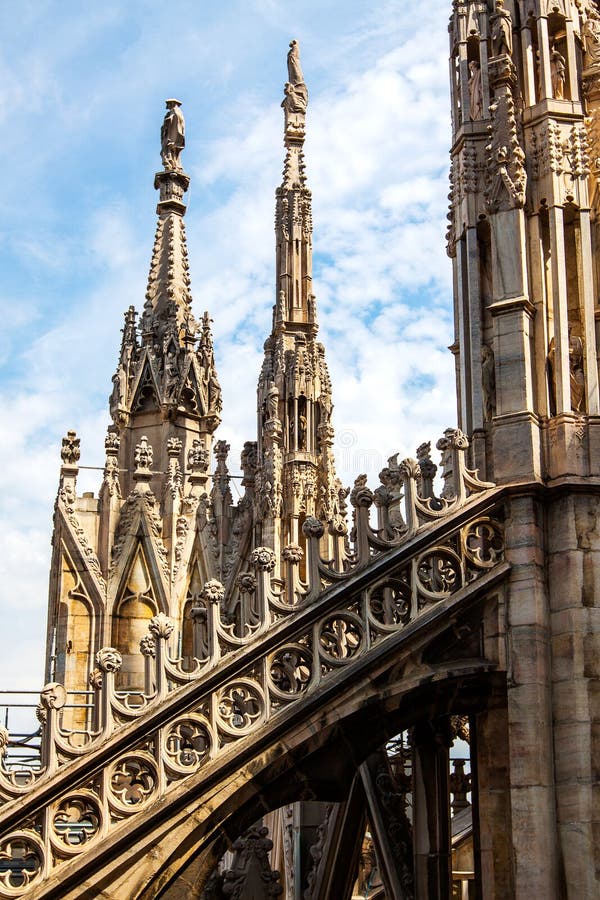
166, 371
295, 477
293, 216
168, 296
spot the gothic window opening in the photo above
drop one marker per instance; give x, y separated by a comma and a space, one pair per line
74, 643
192, 646
136, 606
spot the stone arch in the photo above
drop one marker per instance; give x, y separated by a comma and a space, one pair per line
315, 759
136, 605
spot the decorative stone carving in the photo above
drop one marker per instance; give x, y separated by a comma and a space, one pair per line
445, 445
292, 553
161, 626
172, 136
506, 178
174, 477
70, 451
53, 696
367, 865
251, 876
213, 591
312, 527
143, 454
501, 31
576, 371
409, 468
427, 467
109, 660
475, 92
295, 75
221, 491
469, 170
145, 504
591, 40
488, 382
361, 495
558, 68
148, 646
249, 462
68, 499
111, 466
95, 679
246, 582
316, 853
263, 558
198, 457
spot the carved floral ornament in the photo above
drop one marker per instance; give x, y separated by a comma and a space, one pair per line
263, 558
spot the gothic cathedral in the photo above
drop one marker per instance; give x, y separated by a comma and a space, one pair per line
319, 693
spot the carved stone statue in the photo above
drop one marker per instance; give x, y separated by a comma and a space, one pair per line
172, 136
69, 451
551, 370
475, 91
295, 75
296, 98
577, 377
272, 404
591, 39
501, 29
558, 68
488, 382
143, 454
576, 374
301, 432
367, 866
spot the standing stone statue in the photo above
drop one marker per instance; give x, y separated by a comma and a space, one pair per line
501, 28
591, 40
172, 136
558, 68
295, 75
551, 370
475, 91
488, 382
295, 100
577, 376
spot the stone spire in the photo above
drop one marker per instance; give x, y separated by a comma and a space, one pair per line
296, 475
168, 297
166, 371
293, 216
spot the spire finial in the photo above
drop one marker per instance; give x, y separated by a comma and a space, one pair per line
295, 100
173, 181
172, 136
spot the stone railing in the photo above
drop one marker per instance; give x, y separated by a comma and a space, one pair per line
46, 822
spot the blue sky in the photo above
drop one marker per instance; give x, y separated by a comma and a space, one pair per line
82, 90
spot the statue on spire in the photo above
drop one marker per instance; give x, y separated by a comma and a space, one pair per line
172, 136
295, 100
295, 75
